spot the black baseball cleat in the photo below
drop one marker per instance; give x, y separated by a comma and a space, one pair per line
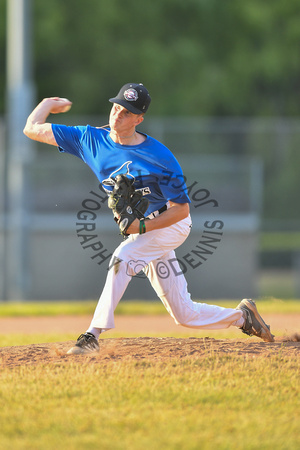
254, 324
86, 343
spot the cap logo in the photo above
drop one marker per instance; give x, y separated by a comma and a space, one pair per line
131, 95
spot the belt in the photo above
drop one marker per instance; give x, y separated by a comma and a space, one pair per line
157, 212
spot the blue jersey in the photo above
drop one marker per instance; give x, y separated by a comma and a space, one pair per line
155, 169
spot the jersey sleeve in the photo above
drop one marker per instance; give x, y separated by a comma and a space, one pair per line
69, 139
172, 182
173, 187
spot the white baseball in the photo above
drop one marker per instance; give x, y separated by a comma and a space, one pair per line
67, 107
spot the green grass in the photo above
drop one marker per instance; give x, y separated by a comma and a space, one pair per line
55, 308
58, 308
215, 402
280, 241
221, 402
47, 308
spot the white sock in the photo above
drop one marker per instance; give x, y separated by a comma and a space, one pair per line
239, 323
95, 331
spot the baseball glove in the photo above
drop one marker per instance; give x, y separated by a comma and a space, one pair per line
126, 203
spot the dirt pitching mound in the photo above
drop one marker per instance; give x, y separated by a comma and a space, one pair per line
150, 349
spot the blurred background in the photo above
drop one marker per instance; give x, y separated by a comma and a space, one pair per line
224, 77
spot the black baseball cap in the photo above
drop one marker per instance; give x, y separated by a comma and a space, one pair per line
134, 97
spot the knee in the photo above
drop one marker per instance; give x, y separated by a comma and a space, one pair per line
181, 318
185, 312
179, 312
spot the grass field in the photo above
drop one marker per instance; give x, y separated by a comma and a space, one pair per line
211, 403
125, 307
219, 401
280, 240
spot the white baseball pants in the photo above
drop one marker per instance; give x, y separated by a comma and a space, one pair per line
153, 252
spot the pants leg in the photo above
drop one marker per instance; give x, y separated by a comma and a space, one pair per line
170, 285
154, 252
128, 259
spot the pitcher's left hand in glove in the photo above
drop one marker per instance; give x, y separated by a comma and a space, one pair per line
126, 203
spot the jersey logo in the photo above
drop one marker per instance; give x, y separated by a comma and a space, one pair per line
110, 181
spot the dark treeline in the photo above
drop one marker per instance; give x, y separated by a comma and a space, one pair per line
197, 57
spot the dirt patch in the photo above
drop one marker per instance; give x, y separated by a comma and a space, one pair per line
150, 349
287, 341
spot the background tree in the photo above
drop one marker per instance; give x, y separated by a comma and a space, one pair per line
198, 57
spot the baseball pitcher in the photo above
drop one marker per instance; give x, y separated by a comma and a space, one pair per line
150, 207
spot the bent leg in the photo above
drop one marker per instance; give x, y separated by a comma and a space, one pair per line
170, 285
128, 259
